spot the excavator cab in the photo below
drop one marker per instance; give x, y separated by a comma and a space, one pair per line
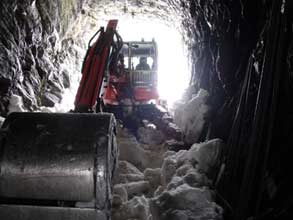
143, 68
137, 82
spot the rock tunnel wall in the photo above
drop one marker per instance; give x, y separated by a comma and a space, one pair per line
31, 50
225, 34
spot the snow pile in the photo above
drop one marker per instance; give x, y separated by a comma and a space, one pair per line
190, 116
140, 155
153, 183
191, 166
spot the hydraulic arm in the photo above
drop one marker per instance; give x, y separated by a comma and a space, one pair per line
95, 66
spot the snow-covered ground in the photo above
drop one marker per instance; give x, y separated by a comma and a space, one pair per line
154, 183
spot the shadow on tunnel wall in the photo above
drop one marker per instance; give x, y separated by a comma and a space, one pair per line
246, 65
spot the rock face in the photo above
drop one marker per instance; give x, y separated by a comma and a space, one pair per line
31, 48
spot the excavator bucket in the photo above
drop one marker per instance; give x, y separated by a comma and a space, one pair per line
57, 166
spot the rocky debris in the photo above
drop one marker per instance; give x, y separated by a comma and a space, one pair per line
177, 187
192, 115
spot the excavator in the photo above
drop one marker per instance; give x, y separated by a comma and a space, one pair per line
116, 82
60, 165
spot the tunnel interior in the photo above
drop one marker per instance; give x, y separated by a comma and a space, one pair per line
238, 52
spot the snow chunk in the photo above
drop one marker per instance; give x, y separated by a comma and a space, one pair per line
150, 135
174, 145
185, 202
191, 164
196, 179
120, 195
153, 176
127, 172
206, 154
136, 208
191, 116
175, 182
1, 121
136, 188
168, 170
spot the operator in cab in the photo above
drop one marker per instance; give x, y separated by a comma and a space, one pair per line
143, 65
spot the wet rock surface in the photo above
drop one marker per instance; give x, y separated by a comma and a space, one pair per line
31, 47
168, 185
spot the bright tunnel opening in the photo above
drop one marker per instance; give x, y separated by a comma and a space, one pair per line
173, 69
